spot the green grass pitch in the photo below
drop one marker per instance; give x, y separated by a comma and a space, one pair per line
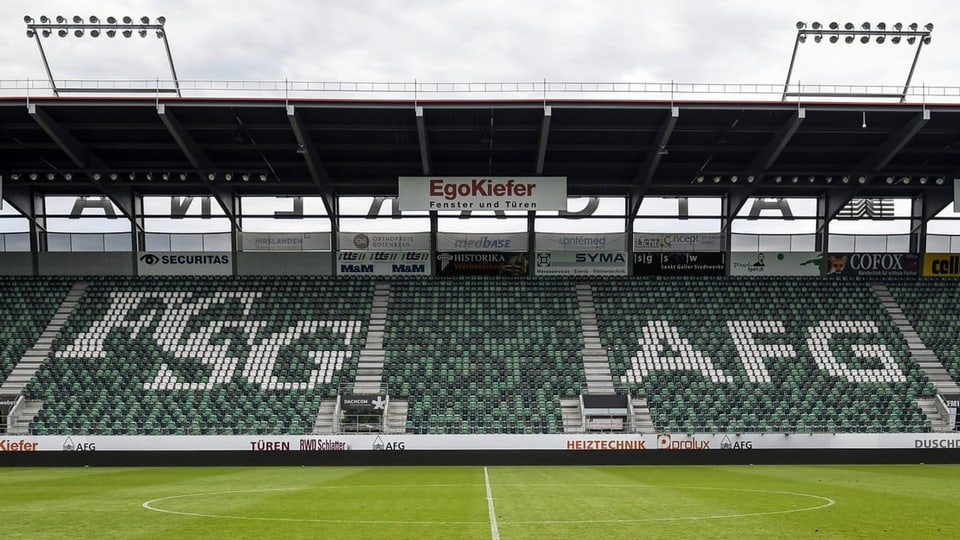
764, 501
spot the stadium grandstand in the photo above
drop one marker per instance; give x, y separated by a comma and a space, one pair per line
639, 269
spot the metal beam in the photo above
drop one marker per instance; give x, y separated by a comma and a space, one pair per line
771, 152
75, 150
422, 137
836, 199
312, 158
934, 201
544, 138
880, 157
227, 200
195, 155
649, 166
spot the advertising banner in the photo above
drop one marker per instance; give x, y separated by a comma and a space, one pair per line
482, 263
677, 242
472, 193
380, 442
184, 263
262, 241
481, 242
581, 242
941, 265
772, 263
384, 263
702, 263
571, 263
873, 264
953, 403
370, 241
366, 403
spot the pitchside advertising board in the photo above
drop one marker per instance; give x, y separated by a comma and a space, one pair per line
694, 263
774, 263
473, 193
184, 263
373, 241
383, 263
482, 263
662, 442
953, 403
588, 263
677, 242
941, 265
873, 264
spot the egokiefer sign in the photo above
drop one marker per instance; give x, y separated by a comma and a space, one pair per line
184, 263
473, 193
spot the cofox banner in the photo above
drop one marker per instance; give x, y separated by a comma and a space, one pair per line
481, 242
384, 263
482, 263
677, 242
691, 263
873, 264
772, 263
588, 263
184, 263
284, 241
471, 193
581, 242
369, 241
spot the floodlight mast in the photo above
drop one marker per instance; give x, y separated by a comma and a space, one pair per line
111, 27
912, 34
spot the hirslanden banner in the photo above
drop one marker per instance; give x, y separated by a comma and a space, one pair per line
677, 242
581, 242
184, 263
383, 241
773, 263
472, 193
264, 241
481, 242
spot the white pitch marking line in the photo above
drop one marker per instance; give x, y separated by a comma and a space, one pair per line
494, 533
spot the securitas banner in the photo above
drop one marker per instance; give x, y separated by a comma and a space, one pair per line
679, 264
385, 241
472, 193
873, 264
383, 263
184, 263
587, 263
482, 263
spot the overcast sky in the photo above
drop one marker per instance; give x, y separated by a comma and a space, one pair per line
729, 41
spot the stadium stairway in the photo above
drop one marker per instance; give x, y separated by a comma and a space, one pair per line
395, 417
370, 367
571, 415
929, 363
595, 363
23, 413
326, 421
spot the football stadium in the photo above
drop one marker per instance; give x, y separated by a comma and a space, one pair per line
478, 310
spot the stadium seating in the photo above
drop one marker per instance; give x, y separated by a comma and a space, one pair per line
475, 355
786, 391
483, 354
202, 355
930, 305
26, 306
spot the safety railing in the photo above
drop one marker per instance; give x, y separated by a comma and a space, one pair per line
497, 90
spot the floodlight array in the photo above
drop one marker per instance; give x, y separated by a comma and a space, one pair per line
797, 179
111, 26
866, 32
134, 176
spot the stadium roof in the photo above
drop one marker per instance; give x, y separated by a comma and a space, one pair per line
359, 147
